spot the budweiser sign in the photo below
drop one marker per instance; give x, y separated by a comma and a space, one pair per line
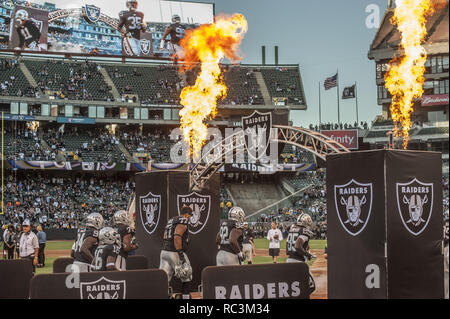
438, 99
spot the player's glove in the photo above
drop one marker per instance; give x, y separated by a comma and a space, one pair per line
241, 257
181, 255
162, 45
308, 256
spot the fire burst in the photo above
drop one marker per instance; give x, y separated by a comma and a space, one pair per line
404, 79
209, 44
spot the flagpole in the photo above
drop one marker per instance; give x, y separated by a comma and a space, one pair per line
339, 112
356, 96
320, 110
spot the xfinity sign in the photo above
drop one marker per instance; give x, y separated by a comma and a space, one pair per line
348, 138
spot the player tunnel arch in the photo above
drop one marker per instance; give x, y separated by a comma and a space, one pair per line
82, 12
308, 140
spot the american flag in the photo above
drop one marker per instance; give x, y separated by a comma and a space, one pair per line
330, 82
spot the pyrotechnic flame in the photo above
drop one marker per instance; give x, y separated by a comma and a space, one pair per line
209, 44
404, 79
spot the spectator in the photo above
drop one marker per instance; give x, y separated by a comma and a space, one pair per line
274, 236
9, 241
42, 239
29, 245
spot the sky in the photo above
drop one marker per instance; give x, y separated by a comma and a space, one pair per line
321, 36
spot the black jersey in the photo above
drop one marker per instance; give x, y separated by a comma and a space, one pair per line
28, 33
82, 235
225, 232
124, 230
294, 233
176, 32
248, 236
100, 262
132, 21
169, 232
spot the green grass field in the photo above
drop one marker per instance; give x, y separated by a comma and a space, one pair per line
261, 243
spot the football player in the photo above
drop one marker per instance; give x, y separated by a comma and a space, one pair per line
297, 243
130, 25
176, 31
29, 34
174, 260
87, 241
107, 251
248, 246
122, 224
230, 238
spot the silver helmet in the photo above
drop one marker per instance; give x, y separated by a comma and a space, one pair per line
176, 18
132, 4
21, 15
183, 271
121, 218
304, 220
95, 220
237, 214
109, 236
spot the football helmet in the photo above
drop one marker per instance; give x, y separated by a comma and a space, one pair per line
186, 210
183, 271
176, 18
21, 15
109, 236
304, 220
121, 218
237, 214
95, 220
132, 4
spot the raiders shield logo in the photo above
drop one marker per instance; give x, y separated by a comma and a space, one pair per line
92, 13
145, 46
257, 129
103, 288
415, 204
353, 205
201, 205
150, 211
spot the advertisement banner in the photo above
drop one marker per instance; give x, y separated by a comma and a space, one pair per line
75, 120
348, 138
437, 99
28, 29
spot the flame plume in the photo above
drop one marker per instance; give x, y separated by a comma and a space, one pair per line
404, 79
209, 44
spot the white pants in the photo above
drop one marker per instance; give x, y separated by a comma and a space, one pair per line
82, 267
169, 259
132, 46
121, 263
225, 258
247, 250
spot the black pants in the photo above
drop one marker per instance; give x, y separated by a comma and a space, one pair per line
11, 253
41, 255
31, 259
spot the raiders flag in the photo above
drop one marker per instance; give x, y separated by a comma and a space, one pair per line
385, 225
349, 92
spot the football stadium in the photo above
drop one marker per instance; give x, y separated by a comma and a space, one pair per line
144, 156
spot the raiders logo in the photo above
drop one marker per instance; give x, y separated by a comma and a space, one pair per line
145, 46
353, 205
415, 204
150, 210
257, 129
201, 206
103, 288
92, 13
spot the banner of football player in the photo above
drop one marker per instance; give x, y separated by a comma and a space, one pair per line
384, 218
140, 30
28, 29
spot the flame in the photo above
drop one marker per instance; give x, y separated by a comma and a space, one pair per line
208, 44
404, 79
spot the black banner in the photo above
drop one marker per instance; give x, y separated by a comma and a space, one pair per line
159, 195
15, 276
264, 281
415, 223
130, 284
385, 225
133, 263
355, 182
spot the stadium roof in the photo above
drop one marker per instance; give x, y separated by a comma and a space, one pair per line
388, 37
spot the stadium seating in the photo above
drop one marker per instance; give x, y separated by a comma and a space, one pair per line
284, 82
12, 80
